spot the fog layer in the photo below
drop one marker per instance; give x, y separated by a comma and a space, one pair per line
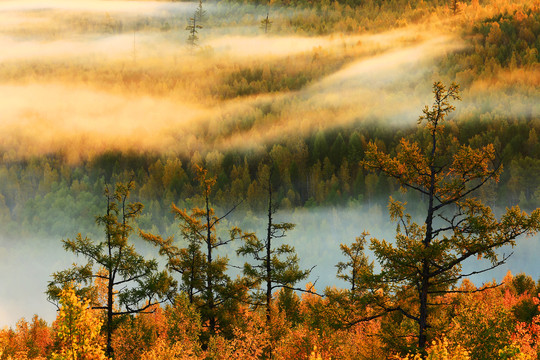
119, 74
28, 263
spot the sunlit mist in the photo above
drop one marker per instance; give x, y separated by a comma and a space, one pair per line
118, 75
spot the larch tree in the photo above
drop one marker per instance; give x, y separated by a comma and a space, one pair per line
454, 6
189, 261
266, 23
133, 284
425, 260
270, 268
204, 277
195, 24
346, 306
357, 271
193, 30
200, 13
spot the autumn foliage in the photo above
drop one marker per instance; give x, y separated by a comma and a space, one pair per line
77, 330
420, 306
489, 324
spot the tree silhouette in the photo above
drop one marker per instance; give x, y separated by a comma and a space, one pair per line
357, 270
270, 268
266, 23
195, 24
200, 14
193, 29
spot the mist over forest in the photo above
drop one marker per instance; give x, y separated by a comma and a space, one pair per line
289, 93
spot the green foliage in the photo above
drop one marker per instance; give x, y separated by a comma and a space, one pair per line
288, 302
275, 267
511, 38
204, 273
503, 46
357, 271
266, 24
193, 29
427, 257
75, 194
114, 262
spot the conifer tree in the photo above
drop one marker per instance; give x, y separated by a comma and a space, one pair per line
200, 13
269, 267
357, 270
204, 276
133, 284
425, 259
195, 24
266, 23
193, 29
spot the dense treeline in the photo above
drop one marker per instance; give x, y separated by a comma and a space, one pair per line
47, 195
505, 42
346, 16
300, 16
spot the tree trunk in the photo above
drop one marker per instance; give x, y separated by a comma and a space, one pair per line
209, 275
268, 256
110, 284
192, 280
422, 322
110, 301
269, 263
424, 282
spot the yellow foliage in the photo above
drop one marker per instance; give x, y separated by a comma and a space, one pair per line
77, 330
439, 350
248, 343
513, 352
315, 354
162, 350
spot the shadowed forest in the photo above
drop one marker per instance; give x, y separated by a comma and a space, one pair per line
214, 180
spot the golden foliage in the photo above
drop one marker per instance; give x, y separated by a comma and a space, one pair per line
77, 330
440, 350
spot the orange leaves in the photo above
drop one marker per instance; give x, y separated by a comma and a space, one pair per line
441, 107
473, 163
396, 209
194, 225
27, 341
410, 167
495, 34
206, 183
413, 168
428, 257
165, 334
432, 170
515, 219
248, 343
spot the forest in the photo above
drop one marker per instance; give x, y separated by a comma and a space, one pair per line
283, 179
